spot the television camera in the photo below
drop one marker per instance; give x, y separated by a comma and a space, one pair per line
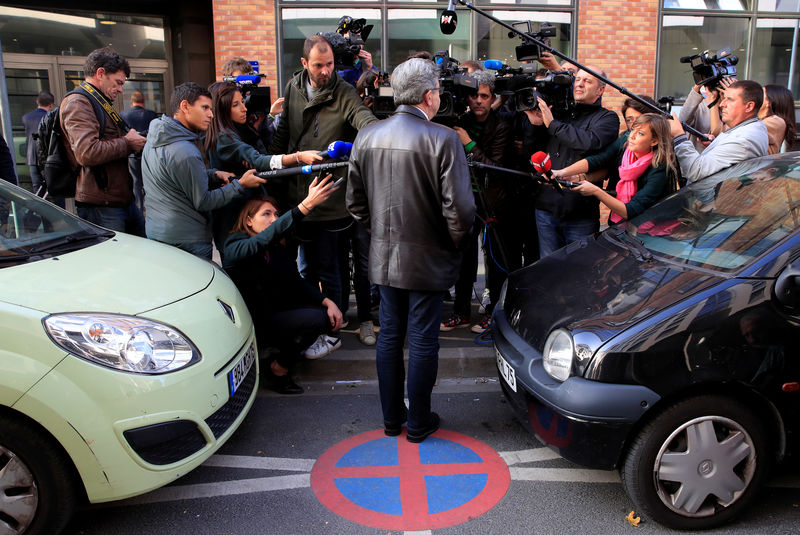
256, 99
708, 69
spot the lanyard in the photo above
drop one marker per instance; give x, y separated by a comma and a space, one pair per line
101, 99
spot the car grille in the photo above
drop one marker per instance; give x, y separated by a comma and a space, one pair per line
166, 443
220, 421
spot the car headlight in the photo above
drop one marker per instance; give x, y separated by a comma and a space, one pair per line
126, 343
558, 353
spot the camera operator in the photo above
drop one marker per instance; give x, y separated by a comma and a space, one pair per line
485, 137
745, 138
350, 27
563, 217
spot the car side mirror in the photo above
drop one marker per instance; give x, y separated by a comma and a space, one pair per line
787, 287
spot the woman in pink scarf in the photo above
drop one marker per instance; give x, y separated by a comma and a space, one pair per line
644, 161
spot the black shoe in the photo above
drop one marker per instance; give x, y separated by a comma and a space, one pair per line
418, 436
394, 430
283, 384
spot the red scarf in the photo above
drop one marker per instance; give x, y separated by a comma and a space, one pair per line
630, 169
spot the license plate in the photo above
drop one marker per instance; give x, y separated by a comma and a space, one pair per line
240, 369
506, 371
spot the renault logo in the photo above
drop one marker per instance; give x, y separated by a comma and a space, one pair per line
228, 310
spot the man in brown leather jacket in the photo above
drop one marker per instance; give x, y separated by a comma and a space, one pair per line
104, 193
408, 183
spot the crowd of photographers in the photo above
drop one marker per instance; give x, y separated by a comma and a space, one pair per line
209, 172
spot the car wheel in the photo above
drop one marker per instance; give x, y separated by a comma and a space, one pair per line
697, 464
37, 487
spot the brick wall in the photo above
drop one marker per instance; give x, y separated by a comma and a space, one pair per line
247, 28
620, 37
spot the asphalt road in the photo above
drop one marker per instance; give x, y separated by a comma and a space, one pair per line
260, 481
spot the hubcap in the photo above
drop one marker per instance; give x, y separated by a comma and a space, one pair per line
19, 496
704, 465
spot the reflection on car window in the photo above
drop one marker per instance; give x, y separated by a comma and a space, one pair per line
30, 225
726, 221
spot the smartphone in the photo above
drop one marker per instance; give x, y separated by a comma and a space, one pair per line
339, 182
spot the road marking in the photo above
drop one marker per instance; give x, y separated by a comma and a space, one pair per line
261, 463
223, 488
567, 475
528, 456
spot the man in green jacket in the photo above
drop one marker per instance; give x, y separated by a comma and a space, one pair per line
320, 108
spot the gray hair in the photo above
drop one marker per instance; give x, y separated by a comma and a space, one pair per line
412, 79
484, 78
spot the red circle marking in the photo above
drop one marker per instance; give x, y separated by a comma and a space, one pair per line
413, 494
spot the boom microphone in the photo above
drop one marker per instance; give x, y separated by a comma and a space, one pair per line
337, 149
304, 170
449, 20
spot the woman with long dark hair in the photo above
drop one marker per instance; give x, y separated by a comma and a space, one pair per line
777, 114
234, 145
288, 312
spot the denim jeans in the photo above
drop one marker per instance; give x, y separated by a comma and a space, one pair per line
555, 232
128, 219
418, 315
197, 248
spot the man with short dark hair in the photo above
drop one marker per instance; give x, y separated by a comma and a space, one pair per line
409, 184
31, 120
745, 138
320, 108
138, 117
104, 192
236, 66
176, 180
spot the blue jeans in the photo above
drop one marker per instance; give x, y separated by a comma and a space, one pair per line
417, 314
555, 232
197, 248
128, 219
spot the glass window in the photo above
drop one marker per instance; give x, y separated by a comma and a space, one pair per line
63, 34
415, 30
494, 43
774, 41
300, 23
24, 85
783, 6
721, 5
688, 35
152, 87
530, 2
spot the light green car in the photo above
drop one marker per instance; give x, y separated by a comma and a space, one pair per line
124, 363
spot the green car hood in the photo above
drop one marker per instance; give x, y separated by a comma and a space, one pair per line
124, 275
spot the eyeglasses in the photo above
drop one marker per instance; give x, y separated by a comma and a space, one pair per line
437, 89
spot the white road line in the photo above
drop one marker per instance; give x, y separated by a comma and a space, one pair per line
261, 463
223, 488
571, 475
426, 532
528, 456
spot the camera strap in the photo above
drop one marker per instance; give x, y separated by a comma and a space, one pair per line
106, 105
716, 101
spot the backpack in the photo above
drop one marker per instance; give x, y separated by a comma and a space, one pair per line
53, 162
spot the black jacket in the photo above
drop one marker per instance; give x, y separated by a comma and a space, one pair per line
409, 184
587, 130
490, 148
31, 121
139, 118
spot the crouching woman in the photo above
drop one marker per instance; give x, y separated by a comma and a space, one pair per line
288, 312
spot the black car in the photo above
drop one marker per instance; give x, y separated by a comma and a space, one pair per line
664, 347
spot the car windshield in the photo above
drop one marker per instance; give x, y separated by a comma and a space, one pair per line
725, 221
32, 229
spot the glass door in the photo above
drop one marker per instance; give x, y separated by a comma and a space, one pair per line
24, 85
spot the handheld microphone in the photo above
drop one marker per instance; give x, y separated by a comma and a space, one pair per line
494, 64
336, 149
449, 20
254, 79
541, 163
303, 170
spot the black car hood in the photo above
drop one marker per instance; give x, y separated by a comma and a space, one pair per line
594, 285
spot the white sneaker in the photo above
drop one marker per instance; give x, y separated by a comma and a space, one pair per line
367, 334
323, 345
484, 301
